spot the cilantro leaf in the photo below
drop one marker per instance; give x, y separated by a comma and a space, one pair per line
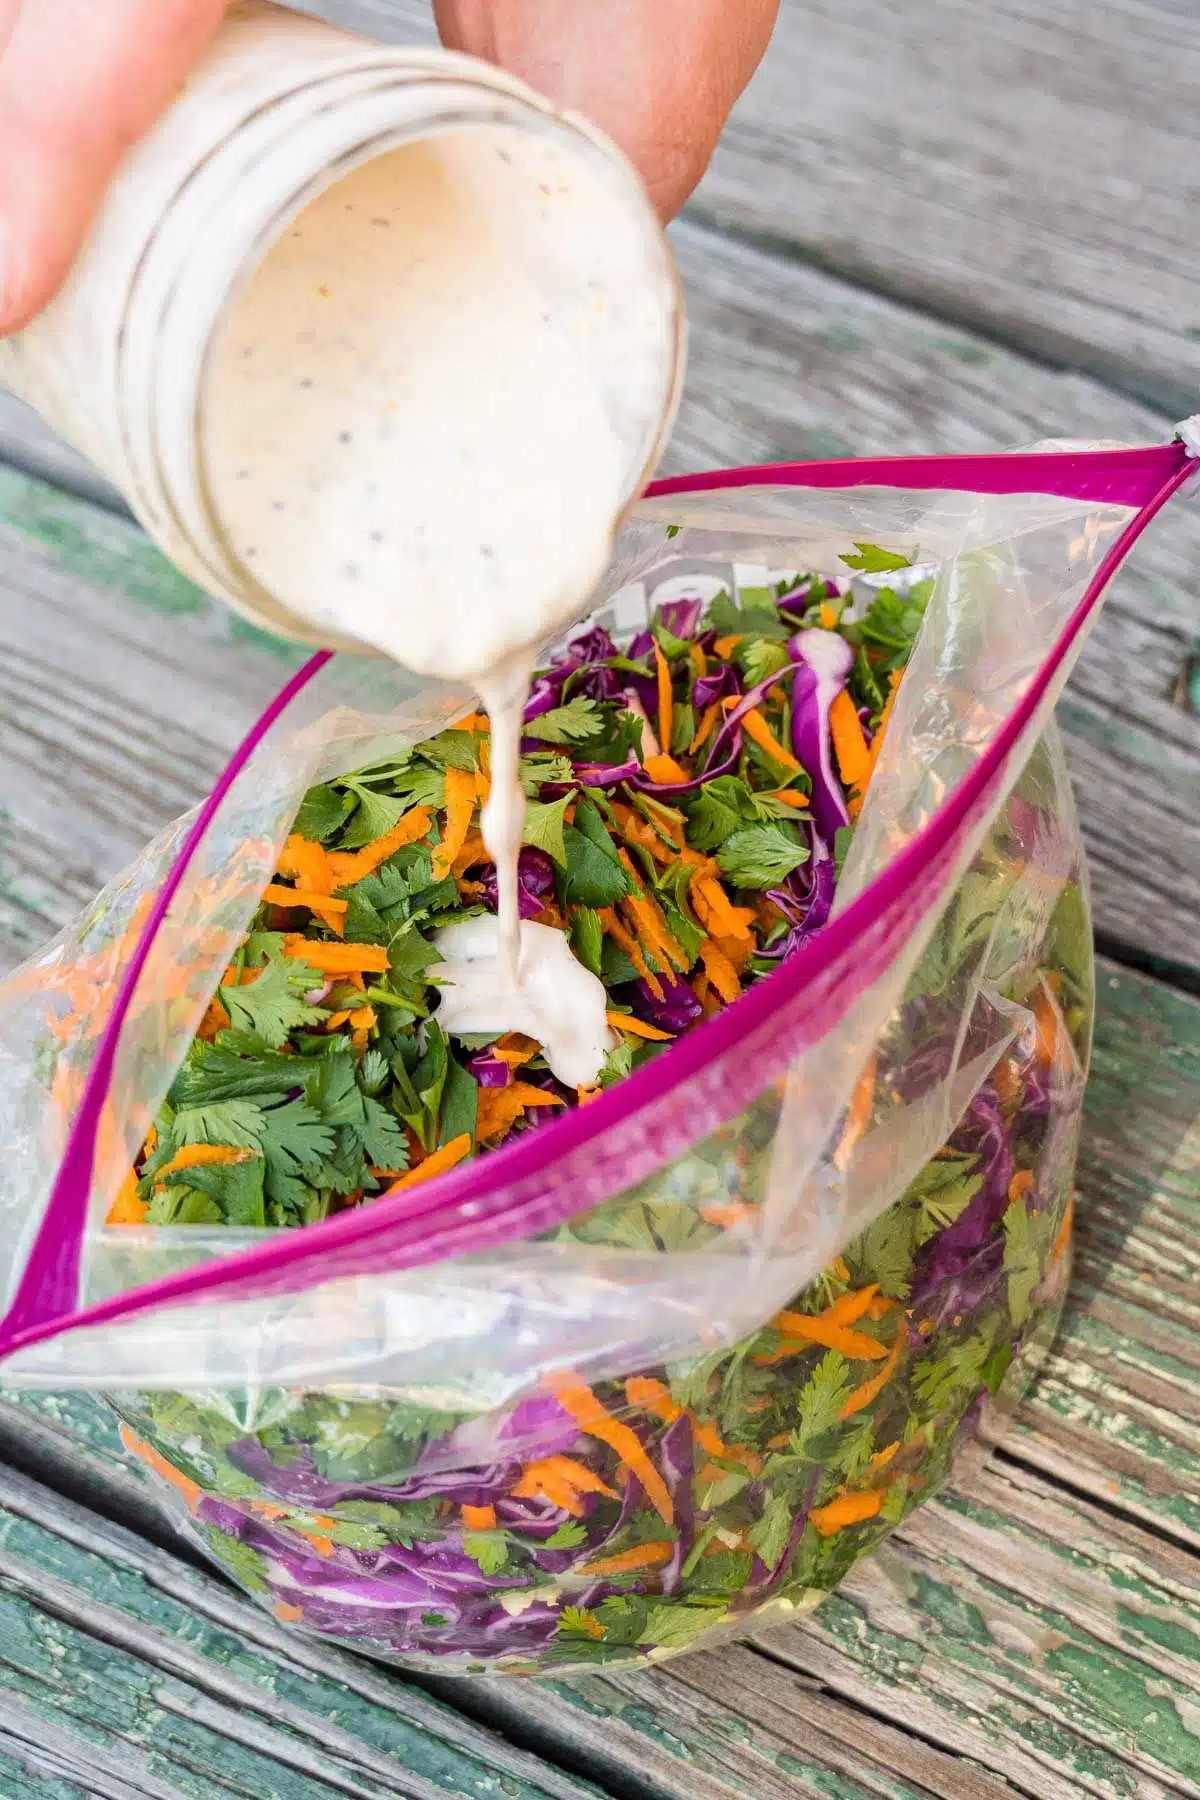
670, 1626
871, 560
573, 723
821, 1400
489, 1549
238, 1123
323, 811
544, 824
541, 766
383, 1138
756, 613
717, 810
1022, 1264
843, 837
892, 623
212, 1073
942, 1192
587, 939
594, 875
374, 817
295, 1138
460, 1104
454, 750
769, 1534
567, 1537
373, 1072
760, 856
273, 1004
760, 657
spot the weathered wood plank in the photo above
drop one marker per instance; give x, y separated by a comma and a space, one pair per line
133, 1675
1037, 1625
1028, 167
145, 696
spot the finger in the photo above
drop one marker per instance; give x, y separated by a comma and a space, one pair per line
659, 76
80, 80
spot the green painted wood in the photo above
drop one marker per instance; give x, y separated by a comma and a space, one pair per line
119, 1664
1035, 1629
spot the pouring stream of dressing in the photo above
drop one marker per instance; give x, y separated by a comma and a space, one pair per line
418, 429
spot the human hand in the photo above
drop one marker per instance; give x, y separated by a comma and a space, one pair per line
659, 76
81, 80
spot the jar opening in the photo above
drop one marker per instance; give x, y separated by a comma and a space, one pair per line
430, 367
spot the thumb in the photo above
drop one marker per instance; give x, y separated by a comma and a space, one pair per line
79, 83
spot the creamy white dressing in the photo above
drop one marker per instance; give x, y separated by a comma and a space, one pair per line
423, 419
557, 1001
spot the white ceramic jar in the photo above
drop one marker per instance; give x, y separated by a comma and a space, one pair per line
130, 362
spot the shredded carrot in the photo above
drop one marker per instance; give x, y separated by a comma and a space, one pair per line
883, 1457
307, 862
849, 744
650, 1395
315, 899
666, 704
847, 1509
799, 1331
650, 917
1064, 1233
756, 727
585, 1095
716, 912
720, 970
138, 1447
840, 1269
827, 616
848, 1308
629, 944
664, 768
201, 1156
286, 1613
698, 660
884, 721
725, 646
473, 851
460, 810
500, 1108
865, 1394
730, 1217
579, 1400
561, 1480
708, 719
322, 1545
349, 866
337, 959
1006, 1079
858, 1113
642, 1556
479, 1518
790, 797
127, 1208
710, 1439
637, 1027
1048, 1019
435, 1164
1022, 1183
880, 1307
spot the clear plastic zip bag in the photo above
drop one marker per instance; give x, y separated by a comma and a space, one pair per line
693, 1348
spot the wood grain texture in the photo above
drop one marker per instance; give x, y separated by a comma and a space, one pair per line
136, 1677
144, 695
1037, 1625
1026, 167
